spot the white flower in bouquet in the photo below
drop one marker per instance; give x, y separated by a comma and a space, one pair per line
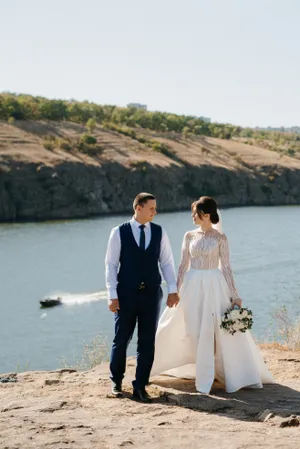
235, 314
236, 326
237, 320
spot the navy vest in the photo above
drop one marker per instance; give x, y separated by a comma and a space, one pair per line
137, 265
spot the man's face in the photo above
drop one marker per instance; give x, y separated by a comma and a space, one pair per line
147, 212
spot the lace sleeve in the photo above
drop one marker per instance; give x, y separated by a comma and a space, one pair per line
185, 259
226, 267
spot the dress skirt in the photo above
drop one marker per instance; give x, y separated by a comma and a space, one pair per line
190, 343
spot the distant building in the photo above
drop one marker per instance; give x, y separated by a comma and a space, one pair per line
282, 129
205, 119
137, 106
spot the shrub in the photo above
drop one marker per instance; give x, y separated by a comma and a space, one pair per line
63, 144
185, 131
291, 152
49, 143
139, 165
88, 144
238, 159
288, 327
88, 139
93, 354
91, 125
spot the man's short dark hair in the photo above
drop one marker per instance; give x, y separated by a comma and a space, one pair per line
142, 198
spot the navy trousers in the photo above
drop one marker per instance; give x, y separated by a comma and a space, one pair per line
141, 308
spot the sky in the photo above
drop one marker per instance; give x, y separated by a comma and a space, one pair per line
235, 61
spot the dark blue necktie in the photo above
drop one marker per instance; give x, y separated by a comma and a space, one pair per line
142, 237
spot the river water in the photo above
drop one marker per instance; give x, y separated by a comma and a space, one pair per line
66, 258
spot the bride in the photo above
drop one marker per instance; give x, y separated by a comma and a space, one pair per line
189, 342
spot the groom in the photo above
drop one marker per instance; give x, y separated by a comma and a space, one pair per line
135, 251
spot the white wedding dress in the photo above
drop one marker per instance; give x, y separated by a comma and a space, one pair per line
189, 342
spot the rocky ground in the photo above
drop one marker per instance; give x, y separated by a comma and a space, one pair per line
65, 409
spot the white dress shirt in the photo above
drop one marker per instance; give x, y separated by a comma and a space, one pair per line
112, 259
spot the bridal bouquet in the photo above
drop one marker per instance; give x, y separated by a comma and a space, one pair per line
237, 320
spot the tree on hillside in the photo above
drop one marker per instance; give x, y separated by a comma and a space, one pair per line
76, 113
52, 110
10, 107
122, 120
91, 125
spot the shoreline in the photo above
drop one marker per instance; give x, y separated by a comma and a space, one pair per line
130, 212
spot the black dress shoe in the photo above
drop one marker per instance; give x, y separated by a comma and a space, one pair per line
141, 396
116, 389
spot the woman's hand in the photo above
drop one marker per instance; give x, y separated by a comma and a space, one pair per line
173, 300
236, 302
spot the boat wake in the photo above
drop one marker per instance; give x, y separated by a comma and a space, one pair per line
70, 299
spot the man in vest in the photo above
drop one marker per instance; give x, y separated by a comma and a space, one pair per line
135, 251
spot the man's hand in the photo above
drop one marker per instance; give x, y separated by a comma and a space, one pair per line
113, 305
173, 299
236, 302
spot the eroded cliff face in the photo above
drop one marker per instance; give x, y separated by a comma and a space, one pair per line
69, 190
36, 184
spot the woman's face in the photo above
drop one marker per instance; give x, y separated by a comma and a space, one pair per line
203, 219
196, 219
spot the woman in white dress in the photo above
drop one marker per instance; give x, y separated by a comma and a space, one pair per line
189, 341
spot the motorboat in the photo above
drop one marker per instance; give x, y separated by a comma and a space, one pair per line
50, 302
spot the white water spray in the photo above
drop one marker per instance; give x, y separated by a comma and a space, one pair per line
70, 299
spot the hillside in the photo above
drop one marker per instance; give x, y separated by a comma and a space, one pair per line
49, 171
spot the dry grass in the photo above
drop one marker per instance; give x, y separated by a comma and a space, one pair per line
288, 329
24, 141
93, 354
274, 345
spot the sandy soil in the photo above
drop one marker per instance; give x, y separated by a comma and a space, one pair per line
24, 142
63, 409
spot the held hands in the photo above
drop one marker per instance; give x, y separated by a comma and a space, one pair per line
236, 302
113, 305
173, 300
